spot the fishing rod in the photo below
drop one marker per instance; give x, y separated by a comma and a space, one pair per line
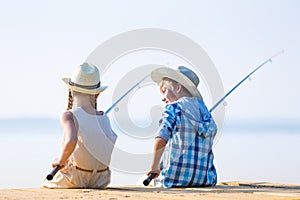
58, 167
53, 172
126, 93
151, 176
217, 104
246, 77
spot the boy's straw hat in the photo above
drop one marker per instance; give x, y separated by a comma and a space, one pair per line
182, 75
85, 79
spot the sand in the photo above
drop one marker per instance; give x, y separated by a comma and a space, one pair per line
226, 190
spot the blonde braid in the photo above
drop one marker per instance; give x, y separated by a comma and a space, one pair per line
70, 101
93, 99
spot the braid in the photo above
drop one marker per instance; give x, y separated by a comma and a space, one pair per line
95, 101
70, 101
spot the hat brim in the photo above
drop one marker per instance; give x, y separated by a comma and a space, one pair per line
164, 72
83, 90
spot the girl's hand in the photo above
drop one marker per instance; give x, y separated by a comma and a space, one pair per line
55, 163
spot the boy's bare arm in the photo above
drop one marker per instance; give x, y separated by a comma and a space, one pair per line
159, 146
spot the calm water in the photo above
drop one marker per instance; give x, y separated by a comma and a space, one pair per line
244, 154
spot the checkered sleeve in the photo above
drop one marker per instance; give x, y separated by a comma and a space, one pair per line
168, 122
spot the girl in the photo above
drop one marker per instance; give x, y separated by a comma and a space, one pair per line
88, 138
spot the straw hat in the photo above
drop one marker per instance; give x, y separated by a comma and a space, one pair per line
182, 75
85, 79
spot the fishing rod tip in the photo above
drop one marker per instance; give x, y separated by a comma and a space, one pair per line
275, 55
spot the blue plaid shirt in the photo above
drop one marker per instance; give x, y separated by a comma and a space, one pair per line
189, 130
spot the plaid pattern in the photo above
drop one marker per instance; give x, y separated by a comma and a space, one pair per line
189, 129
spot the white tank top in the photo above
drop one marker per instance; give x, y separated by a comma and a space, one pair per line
96, 140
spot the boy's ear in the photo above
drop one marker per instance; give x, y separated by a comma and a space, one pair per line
178, 87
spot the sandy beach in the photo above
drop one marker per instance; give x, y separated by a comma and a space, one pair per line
225, 190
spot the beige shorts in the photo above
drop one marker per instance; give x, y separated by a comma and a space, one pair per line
72, 177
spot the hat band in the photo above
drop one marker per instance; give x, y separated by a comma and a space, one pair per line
90, 87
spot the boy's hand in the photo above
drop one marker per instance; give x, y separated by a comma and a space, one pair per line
155, 171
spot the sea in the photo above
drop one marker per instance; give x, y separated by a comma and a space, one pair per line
244, 151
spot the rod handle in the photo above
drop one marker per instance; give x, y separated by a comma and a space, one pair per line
53, 172
148, 179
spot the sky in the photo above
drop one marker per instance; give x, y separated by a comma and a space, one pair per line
42, 42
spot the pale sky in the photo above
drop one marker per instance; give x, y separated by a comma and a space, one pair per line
42, 41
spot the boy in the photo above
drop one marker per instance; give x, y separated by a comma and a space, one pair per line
185, 137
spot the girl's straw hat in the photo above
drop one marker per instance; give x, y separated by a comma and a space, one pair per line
186, 77
85, 79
